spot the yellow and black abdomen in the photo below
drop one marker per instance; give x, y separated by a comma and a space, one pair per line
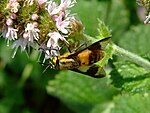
95, 56
88, 57
68, 63
64, 62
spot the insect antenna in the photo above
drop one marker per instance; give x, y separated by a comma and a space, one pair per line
50, 64
45, 69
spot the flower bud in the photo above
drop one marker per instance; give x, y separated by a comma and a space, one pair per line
35, 24
13, 16
76, 26
34, 16
25, 36
9, 22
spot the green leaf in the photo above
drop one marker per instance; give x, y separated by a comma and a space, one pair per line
5, 106
117, 18
78, 92
125, 104
132, 104
137, 40
103, 30
130, 78
89, 13
103, 108
105, 11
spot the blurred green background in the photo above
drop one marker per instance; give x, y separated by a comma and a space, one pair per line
25, 89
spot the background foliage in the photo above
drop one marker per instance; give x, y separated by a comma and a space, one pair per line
25, 89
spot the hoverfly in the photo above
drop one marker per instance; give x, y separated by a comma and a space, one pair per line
83, 61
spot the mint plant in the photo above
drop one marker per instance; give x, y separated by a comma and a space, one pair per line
46, 28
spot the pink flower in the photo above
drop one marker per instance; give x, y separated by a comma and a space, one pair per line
67, 4
62, 24
34, 16
35, 24
13, 5
40, 2
13, 16
11, 1
11, 33
53, 43
60, 15
9, 22
31, 33
22, 43
52, 8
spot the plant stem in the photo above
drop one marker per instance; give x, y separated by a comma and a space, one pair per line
130, 56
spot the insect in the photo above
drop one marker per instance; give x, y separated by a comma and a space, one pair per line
83, 61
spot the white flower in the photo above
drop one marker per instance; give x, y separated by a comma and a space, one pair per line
9, 22
13, 16
55, 36
22, 43
34, 16
31, 32
11, 1
67, 4
60, 14
53, 45
62, 24
13, 6
52, 8
40, 2
11, 33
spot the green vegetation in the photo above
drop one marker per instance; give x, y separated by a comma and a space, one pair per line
126, 89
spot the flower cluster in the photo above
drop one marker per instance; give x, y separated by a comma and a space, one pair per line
146, 5
30, 22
